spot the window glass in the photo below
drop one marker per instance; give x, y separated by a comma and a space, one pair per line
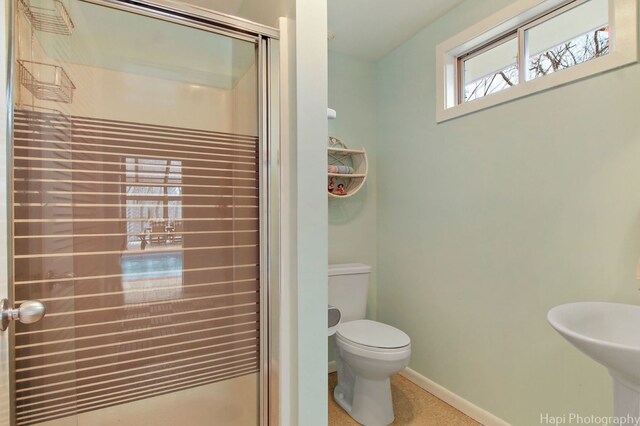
573, 37
491, 70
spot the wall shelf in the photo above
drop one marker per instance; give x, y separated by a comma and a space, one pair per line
347, 175
339, 154
336, 150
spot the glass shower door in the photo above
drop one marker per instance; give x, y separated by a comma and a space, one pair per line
136, 207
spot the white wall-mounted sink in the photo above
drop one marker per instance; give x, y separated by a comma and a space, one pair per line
610, 334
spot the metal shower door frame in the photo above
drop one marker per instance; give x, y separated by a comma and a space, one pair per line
267, 42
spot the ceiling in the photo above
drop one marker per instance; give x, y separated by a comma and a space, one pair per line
370, 29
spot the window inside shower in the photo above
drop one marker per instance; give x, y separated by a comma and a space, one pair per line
136, 218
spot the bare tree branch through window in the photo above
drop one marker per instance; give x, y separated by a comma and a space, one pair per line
578, 50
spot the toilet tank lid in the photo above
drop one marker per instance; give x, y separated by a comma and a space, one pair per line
349, 268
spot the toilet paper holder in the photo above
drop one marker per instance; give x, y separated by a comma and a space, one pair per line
334, 317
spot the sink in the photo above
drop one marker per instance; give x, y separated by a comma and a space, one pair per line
610, 334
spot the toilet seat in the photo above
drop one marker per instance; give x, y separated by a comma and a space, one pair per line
373, 336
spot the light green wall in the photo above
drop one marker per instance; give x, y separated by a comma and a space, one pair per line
352, 221
488, 220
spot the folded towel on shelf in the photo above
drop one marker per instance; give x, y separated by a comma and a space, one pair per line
345, 170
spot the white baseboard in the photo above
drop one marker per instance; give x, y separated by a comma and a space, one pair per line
332, 367
476, 413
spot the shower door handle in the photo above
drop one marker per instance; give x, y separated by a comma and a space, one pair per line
29, 312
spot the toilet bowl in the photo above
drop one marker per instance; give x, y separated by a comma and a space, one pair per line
368, 353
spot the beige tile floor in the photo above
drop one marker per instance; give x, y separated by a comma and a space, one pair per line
412, 405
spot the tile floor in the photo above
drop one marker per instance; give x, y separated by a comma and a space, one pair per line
412, 404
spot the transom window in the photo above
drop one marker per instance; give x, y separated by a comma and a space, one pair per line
521, 50
570, 35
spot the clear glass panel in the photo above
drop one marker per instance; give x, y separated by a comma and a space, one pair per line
135, 219
491, 71
573, 37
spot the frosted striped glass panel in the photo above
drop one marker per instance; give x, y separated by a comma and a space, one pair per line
142, 242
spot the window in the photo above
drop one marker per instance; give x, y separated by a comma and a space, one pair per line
522, 50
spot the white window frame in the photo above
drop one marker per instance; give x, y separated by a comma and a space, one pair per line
623, 50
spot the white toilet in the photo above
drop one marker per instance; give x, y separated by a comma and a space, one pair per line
368, 353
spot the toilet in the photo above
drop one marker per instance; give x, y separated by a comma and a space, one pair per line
368, 353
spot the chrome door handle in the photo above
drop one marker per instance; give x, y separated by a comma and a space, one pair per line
29, 312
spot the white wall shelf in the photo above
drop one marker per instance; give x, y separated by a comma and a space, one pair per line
339, 154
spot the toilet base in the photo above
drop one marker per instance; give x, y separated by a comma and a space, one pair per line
371, 403
367, 400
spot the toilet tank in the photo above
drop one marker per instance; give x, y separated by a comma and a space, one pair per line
348, 288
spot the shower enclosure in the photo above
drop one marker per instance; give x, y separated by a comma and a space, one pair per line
141, 195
